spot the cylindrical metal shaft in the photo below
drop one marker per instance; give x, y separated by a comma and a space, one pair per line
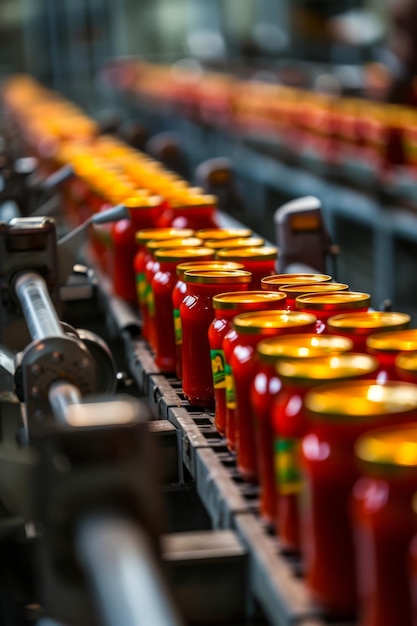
124, 576
61, 395
37, 306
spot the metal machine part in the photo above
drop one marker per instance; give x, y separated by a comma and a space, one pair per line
166, 147
97, 504
106, 378
69, 246
52, 355
29, 245
7, 376
302, 237
123, 573
37, 308
216, 176
25, 244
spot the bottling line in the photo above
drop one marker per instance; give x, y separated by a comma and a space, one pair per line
124, 499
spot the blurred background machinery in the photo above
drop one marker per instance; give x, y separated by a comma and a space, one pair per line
352, 48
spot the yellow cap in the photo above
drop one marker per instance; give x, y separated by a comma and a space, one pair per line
142, 202
161, 234
333, 301
172, 255
388, 447
207, 265
239, 242
274, 282
233, 299
256, 253
223, 233
395, 341
252, 323
299, 290
301, 346
362, 323
198, 199
187, 242
407, 363
361, 399
330, 367
217, 276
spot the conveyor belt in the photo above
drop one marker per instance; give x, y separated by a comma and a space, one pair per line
275, 580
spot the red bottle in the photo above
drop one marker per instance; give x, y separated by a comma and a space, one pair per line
179, 293
324, 306
143, 214
251, 328
196, 211
290, 424
339, 413
143, 255
226, 306
387, 346
260, 261
266, 385
359, 326
151, 267
384, 524
163, 284
197, 313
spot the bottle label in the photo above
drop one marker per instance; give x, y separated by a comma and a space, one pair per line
218, 369
150, 300
230, 388
141, 287
177, 327
287, 465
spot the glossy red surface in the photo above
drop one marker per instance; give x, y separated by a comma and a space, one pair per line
383, 526
265, 387
244, 365
124, 251
196, 312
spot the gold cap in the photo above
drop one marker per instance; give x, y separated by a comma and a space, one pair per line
301, 346
395, 341
141, 202
299, 290
188, 242
217, 276
239, 242
223, 233
234, 299
260, 253
207, 265
171, 255
361, 399
161, 234
257, 321
194, 197
326, 368
388, 447
274, 282
407, 363
333, 301
362, 323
